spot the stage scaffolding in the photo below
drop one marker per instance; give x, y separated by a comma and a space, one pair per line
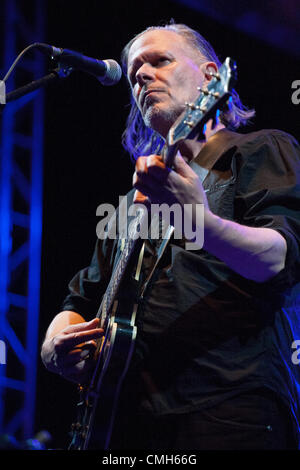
21, 160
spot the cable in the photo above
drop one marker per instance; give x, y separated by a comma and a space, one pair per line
18, 58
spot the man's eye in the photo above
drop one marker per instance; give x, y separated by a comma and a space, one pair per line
163, 60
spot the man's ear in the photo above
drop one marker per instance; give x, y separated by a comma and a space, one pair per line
208, 69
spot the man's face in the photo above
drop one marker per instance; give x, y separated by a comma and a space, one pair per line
164, 73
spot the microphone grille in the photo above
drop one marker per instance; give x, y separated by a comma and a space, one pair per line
113, 73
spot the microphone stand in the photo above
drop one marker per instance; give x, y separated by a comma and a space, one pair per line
54, 75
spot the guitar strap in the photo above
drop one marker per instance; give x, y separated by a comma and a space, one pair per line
161, 251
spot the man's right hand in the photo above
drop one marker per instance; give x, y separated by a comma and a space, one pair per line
70, 352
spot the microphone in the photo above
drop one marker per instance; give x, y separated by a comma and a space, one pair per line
108, 72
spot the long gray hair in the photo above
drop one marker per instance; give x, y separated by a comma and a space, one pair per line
138, 139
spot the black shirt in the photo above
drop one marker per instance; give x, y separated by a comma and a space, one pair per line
206, 333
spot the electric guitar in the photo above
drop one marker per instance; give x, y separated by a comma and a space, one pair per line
98, 401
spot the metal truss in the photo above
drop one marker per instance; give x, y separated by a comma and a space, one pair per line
21, 162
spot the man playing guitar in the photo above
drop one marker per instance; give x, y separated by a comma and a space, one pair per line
212, 367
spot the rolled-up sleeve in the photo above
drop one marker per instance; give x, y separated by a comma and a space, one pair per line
268, 193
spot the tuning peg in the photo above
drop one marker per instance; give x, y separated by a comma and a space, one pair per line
206, 92
202, 90
189, 123
216, 75
194, 107
190, 105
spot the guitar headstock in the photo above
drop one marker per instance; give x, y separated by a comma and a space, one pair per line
209, 103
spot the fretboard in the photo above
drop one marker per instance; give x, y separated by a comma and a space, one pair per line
128, 246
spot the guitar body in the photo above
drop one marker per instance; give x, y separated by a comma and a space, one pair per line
98, 401
121, 347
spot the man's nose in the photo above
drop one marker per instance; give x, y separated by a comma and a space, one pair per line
145, 74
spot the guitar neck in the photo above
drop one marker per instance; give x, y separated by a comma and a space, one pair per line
116, 278
168, 153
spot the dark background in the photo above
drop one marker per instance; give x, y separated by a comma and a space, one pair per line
84, 162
